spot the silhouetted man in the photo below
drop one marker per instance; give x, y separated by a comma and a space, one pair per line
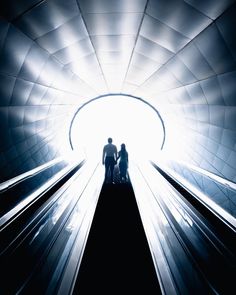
109, 158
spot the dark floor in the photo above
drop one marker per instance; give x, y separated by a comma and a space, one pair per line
117, 259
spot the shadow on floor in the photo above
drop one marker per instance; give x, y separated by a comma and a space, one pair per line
117, 257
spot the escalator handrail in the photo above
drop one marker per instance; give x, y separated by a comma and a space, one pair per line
223, 225
26, 175
51, 239
11, 215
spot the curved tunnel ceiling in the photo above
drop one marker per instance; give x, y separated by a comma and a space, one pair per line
56, 55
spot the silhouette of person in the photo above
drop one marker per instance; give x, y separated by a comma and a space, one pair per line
109, 158
123, 163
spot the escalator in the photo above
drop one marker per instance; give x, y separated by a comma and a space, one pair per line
36, 243
81, 236
193, 251
117, 256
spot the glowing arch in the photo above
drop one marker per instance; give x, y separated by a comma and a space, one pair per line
118, 94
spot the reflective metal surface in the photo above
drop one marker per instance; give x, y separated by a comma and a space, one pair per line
178, 55
43, 246
189, 257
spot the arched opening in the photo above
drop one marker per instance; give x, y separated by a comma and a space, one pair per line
127, 119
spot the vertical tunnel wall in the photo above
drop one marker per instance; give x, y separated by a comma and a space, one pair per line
200, 110
38, 98
204, 108
178, 55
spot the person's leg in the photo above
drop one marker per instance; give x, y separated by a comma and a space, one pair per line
122, 171
112, 165
106, 169
125, 174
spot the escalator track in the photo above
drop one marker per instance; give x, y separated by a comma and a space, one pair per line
117, 256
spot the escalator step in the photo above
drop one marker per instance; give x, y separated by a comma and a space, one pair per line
117, 256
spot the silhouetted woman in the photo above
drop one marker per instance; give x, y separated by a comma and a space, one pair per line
123, 163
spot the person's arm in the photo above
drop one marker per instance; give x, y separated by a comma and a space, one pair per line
116, 156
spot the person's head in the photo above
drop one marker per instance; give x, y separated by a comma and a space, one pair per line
123, 146
110, 140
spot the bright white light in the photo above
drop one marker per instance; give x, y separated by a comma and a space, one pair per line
126, 120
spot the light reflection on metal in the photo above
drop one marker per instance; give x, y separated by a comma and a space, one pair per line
209, 174
202, 197
164, 193
74, 220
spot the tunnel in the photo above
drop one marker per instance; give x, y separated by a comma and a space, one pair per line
176, 58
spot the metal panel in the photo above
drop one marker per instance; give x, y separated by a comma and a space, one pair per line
227, 26
221, 59
113, 43
12, 9
21, 92
75, 51
110, 6
212, 91
181, 71
228, 88
63, 36
152, 50
211, 8
196, 93
14, 51
6, 88
46, 17
179, 16
163, 35
33, 63
113, 23
192, 57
